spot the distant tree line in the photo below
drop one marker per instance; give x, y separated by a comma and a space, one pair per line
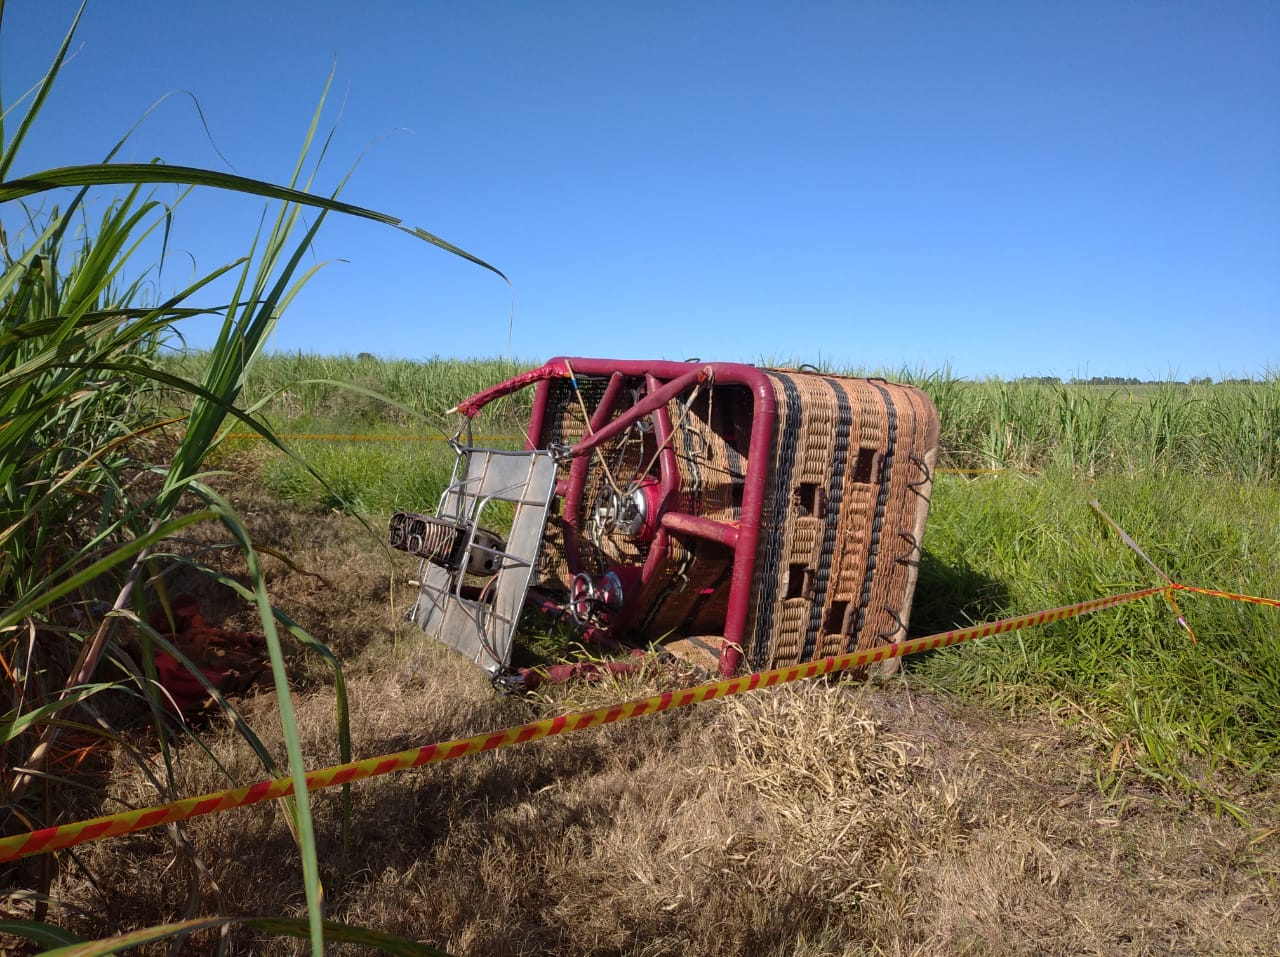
1128, 380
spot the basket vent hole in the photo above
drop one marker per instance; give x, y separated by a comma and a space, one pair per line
796, 575
834, 624
864, 467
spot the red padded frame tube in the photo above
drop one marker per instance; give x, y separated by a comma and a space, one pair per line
665, 380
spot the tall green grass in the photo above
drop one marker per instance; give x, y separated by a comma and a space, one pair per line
1227, 429
96, 477
1200, 714
1230, 428
307, 392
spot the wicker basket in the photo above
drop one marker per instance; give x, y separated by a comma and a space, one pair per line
846, 476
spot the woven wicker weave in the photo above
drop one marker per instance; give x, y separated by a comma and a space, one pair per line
848, 499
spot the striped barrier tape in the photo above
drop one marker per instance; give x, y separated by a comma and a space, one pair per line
126, 822
1232, 596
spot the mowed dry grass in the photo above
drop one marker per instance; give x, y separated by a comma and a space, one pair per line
823, 818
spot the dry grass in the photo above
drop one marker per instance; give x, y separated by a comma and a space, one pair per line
826, 818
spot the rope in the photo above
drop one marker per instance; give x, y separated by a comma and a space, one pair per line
679, 423
586, 419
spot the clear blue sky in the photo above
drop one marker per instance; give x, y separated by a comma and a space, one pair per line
1007, 188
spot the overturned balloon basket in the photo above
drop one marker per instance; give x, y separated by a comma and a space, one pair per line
745, 518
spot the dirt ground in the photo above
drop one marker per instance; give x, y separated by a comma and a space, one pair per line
826, 818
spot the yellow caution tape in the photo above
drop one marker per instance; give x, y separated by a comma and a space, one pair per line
67, 835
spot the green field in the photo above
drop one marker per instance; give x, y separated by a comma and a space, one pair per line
1109, 783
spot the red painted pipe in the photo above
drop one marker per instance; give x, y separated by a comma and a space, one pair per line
471, 407
699, 527
763, 415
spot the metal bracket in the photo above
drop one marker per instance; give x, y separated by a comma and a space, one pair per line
477, 615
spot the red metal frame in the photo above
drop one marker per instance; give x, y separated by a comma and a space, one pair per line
664, 381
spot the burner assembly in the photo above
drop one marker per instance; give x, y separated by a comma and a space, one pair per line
744, 517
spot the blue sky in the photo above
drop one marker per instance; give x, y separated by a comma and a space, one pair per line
1017, 188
